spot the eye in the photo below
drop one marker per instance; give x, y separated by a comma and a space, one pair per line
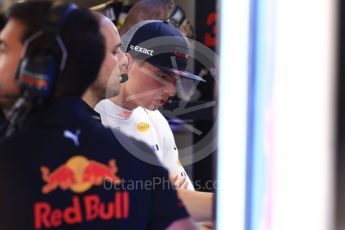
116, 51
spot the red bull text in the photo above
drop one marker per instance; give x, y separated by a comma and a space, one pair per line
82, 209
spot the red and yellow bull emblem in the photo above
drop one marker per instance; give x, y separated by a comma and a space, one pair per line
79, 174
181, 55
143, 126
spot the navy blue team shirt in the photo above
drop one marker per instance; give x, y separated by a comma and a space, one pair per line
64, 170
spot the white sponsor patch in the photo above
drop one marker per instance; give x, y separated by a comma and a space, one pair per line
141, 50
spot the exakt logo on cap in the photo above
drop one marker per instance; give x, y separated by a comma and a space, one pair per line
141, 50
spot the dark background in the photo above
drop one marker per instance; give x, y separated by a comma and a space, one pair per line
205, 31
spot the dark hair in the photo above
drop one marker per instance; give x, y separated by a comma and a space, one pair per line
2, 20
31, 14
81, 36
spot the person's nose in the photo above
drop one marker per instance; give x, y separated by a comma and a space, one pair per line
170, 88
123, 63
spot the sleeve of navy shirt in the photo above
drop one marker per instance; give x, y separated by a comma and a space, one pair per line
166, 207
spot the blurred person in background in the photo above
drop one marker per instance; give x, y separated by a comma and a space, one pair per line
165, 10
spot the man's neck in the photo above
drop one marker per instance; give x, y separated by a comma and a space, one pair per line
121, 100
90, 98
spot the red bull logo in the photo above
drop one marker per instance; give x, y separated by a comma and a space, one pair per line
79, 174
82, 209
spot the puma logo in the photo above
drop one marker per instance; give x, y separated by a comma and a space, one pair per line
74, 137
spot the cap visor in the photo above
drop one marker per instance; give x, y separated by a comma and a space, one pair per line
180, 73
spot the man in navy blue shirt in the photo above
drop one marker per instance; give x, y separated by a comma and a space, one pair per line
62, 169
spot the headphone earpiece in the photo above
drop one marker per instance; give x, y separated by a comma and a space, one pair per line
37, 75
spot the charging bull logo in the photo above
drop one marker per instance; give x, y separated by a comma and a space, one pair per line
79, 174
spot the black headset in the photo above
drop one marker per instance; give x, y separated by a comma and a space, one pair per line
39, 68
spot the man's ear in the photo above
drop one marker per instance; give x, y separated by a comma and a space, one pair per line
130, 62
